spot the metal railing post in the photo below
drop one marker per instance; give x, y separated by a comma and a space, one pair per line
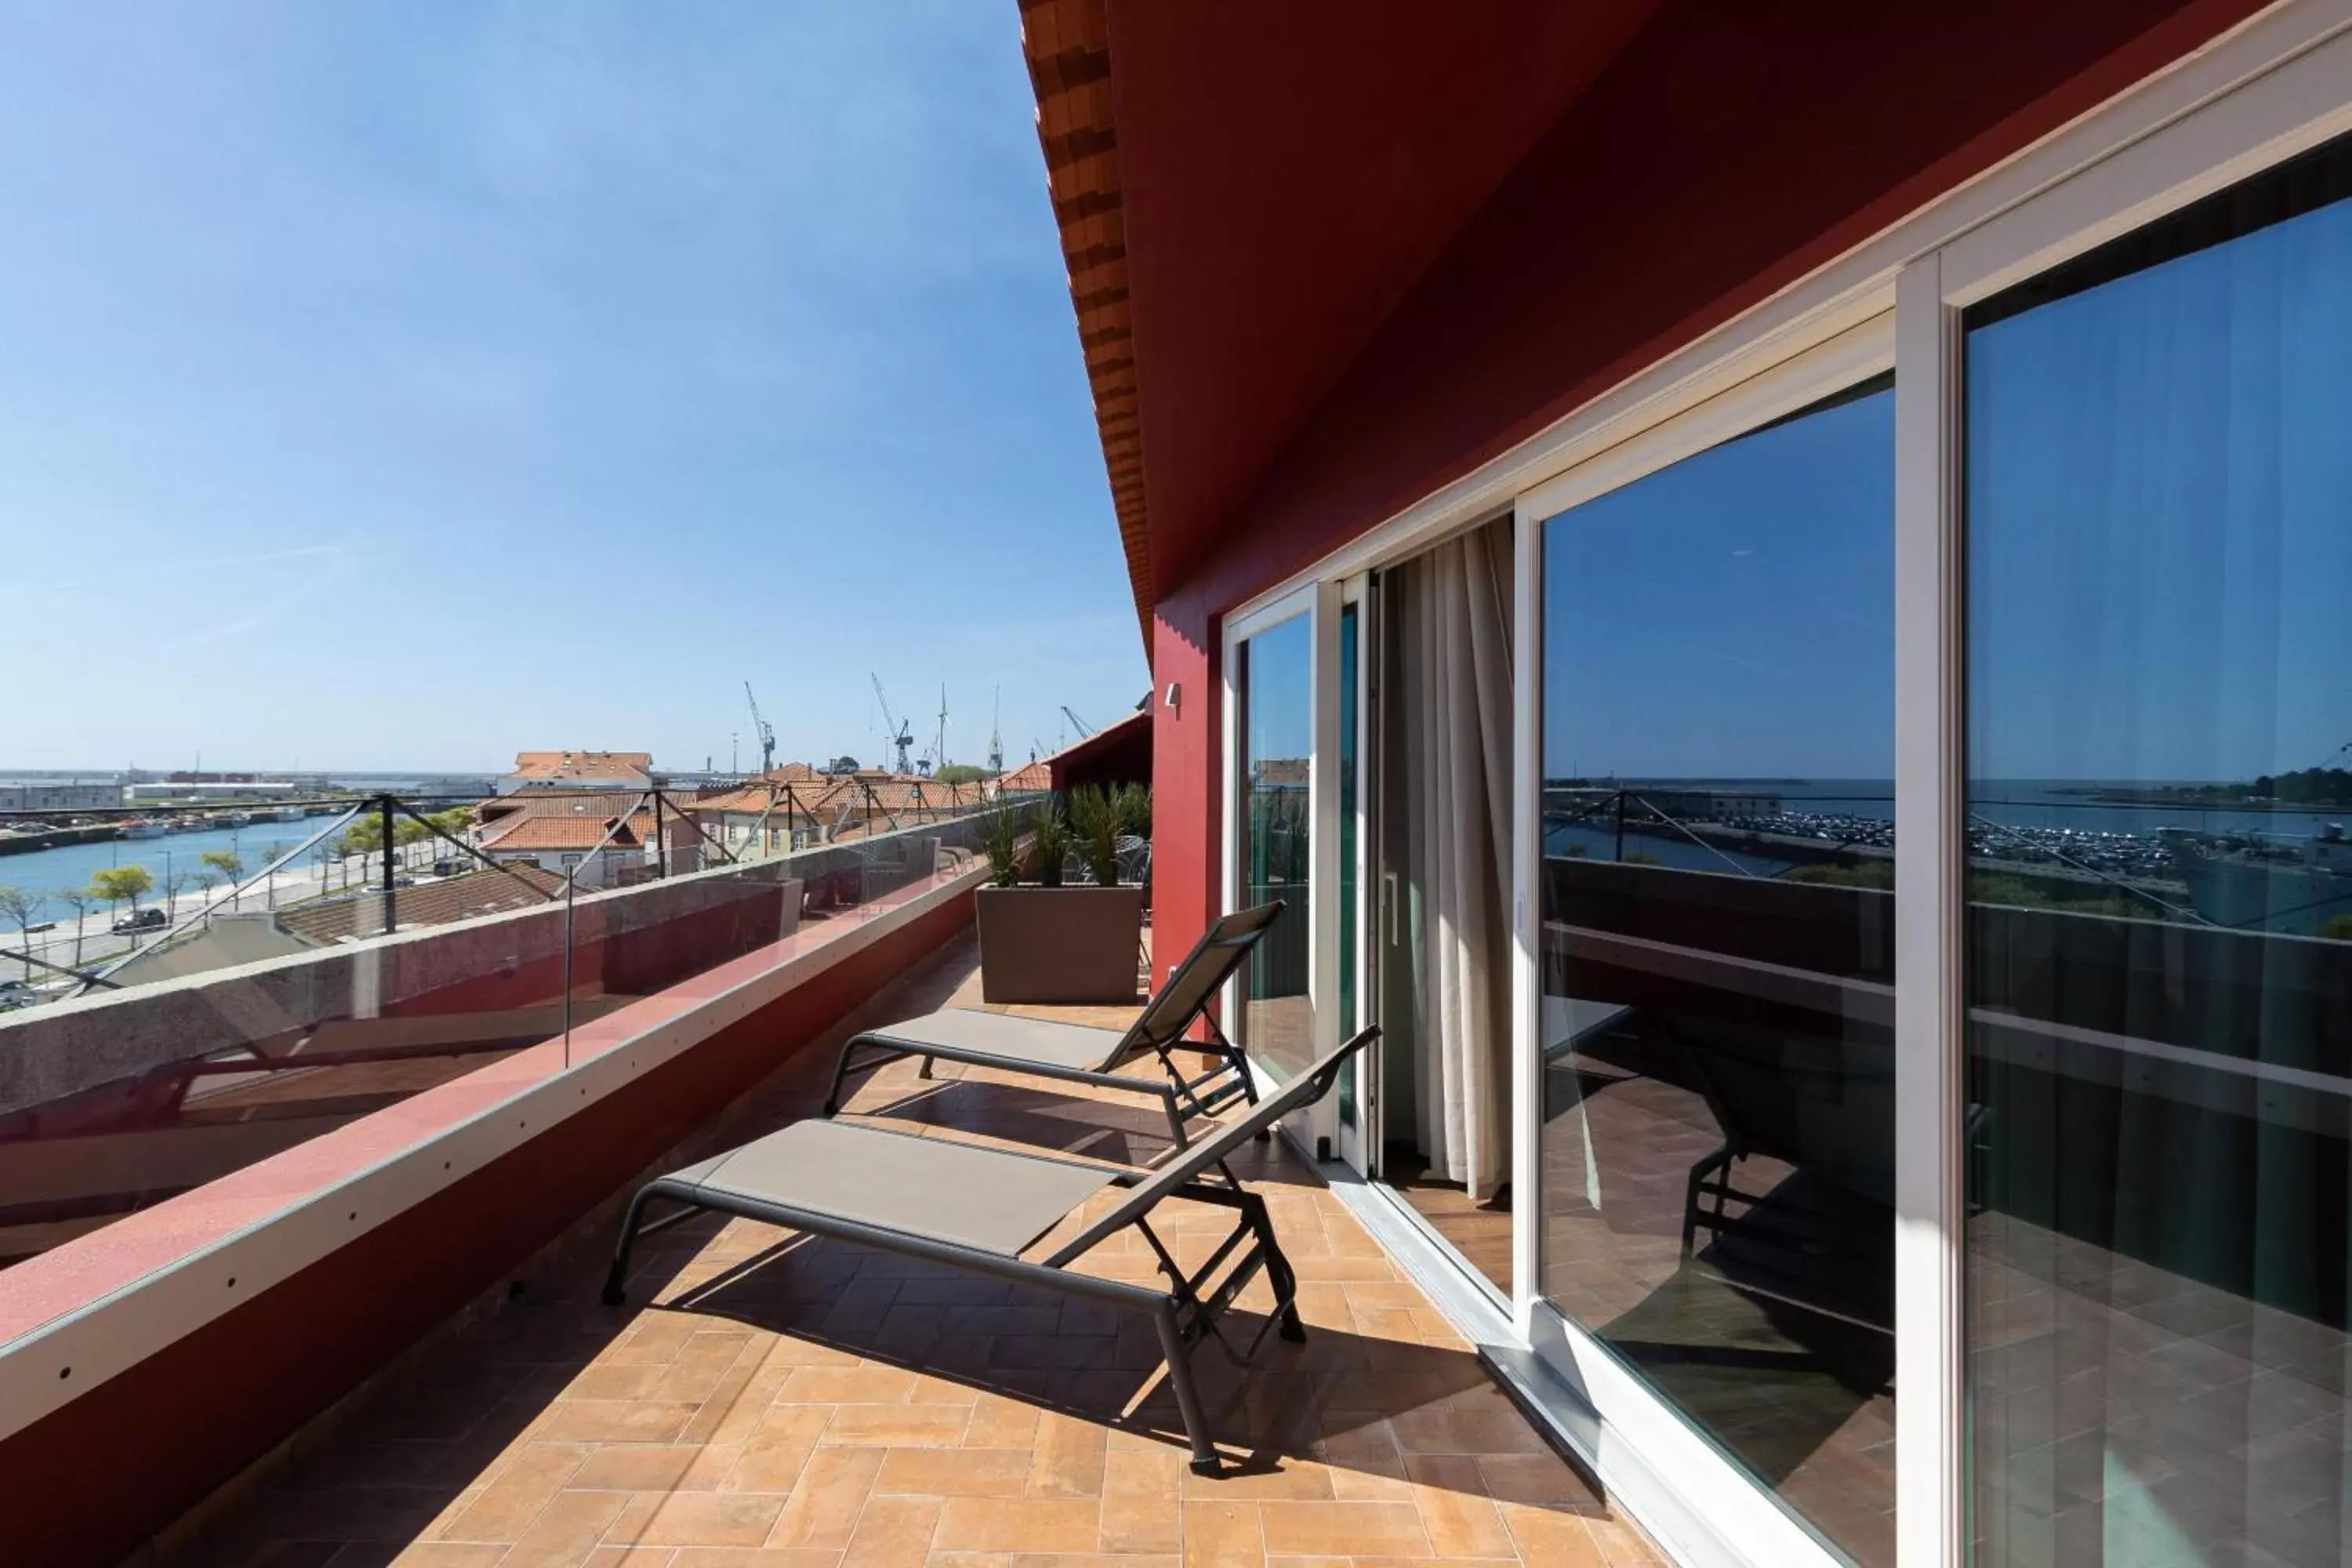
391, 917
567, 972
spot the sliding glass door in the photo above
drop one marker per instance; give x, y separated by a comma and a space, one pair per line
2158, 940
1273, 686
1716, 950
2098, 1139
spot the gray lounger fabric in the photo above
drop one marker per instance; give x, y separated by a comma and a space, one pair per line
993, 1199
978, 1208
1010, 1038
1076, 1053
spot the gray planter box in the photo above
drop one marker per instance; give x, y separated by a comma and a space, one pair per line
1059, 944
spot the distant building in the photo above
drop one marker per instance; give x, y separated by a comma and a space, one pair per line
562, 832
1033, 778
31, 796
216, 789
774, 815
1709, 804
579, 770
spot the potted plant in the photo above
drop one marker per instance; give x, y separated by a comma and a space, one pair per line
1049, 943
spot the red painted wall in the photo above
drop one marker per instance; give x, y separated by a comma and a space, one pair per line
97, 1478
1728, 151
1185, 822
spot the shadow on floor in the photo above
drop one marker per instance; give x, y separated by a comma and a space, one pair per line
1088, 1361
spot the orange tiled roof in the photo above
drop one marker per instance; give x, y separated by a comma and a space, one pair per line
1031, 776
584, 832
859, 792
582, 764
452, 899
751, 800
504, 808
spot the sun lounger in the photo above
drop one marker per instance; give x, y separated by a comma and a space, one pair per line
1077, 1053
970, 1206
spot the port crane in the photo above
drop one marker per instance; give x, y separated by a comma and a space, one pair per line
1082, 727
996, 735
936, 755
763, 730
895, 734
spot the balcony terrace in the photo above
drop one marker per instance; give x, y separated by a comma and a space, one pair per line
446, 1386
791, 1400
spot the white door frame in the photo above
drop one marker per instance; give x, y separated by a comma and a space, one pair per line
1356, 1146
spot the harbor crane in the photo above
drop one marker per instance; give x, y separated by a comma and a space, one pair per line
895, 733
996, 735
936, 756
763, 730
1082, 727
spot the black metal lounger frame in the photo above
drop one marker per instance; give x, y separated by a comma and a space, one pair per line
1184, 1313
1222, 948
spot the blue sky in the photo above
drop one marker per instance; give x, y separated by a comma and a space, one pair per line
1732, 616
390, 386
2160, 517
2160, 553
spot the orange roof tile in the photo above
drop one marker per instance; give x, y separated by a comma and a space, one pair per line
582, 764
452, 899
581, 833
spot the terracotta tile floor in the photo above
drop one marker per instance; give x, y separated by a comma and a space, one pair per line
1802, 1397
773, 1399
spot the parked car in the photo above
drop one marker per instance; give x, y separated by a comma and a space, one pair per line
142, 920
15, 993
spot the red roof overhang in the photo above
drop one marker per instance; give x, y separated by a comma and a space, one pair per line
1265, 195
1326, 256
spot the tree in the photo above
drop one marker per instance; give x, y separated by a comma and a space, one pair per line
79, 901
18, 907
843, 765
225, 863
363, 838
117, 883
962, 773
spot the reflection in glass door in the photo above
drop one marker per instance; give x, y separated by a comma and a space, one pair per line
1273, 680
2159, 947
1717, 948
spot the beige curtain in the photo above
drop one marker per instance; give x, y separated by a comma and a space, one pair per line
1456, 667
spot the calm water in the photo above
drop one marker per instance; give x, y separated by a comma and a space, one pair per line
44, 871
2025, 802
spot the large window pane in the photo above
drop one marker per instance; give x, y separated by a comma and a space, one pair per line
1717, 947
1277, 680
2159, 981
